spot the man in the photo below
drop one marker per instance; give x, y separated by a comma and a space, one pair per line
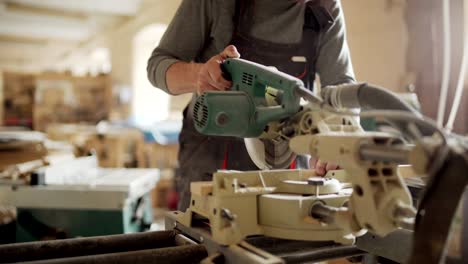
301, 38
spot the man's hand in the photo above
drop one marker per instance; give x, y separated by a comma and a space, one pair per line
320, 167
210, 75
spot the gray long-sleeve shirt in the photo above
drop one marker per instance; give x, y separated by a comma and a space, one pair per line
203, 28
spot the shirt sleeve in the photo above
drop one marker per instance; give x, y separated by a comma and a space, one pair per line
184, 38
334, 62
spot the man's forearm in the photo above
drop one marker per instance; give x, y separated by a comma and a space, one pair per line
181, 77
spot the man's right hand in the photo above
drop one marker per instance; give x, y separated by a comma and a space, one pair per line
210, 75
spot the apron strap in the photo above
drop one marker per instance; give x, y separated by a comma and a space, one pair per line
293, 165
226, 158
242, 9
317, 16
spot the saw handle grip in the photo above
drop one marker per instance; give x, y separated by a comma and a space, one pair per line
225, 73
255, 79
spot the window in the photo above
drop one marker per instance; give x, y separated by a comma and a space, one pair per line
150, 104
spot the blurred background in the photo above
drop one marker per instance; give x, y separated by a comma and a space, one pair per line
101, 49
75, 71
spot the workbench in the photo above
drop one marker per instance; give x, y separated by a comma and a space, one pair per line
78, 199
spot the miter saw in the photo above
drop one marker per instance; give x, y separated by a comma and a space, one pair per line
264, 106
293, 216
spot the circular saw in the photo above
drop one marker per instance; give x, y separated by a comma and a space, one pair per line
257, 108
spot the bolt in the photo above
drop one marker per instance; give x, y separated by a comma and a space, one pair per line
221, 119
225, 213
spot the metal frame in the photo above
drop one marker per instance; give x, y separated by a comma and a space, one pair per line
395, 246
264, 250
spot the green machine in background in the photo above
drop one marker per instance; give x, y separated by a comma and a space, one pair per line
39, 223
79, 200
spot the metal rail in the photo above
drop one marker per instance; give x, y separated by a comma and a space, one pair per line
85, 246
180, 254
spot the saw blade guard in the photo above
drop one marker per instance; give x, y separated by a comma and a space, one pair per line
269, 154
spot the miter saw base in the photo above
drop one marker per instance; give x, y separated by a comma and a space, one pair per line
271, 203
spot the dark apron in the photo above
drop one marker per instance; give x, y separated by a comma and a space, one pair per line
200, 155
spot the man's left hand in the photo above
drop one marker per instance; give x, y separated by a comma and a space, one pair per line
321, 168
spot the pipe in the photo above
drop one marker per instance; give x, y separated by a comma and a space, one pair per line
461, 79
447, 61
368, 97
364, 96
181, 254
85, 246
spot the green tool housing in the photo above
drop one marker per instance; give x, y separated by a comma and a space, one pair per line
243, 111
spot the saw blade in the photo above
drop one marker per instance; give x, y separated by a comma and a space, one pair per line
269, 154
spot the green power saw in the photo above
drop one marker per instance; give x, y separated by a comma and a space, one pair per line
259, 98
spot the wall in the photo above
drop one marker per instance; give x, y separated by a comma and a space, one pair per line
145, 96
426, 56
378, 39
121, 43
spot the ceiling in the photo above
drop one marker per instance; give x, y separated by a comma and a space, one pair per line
33, 30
